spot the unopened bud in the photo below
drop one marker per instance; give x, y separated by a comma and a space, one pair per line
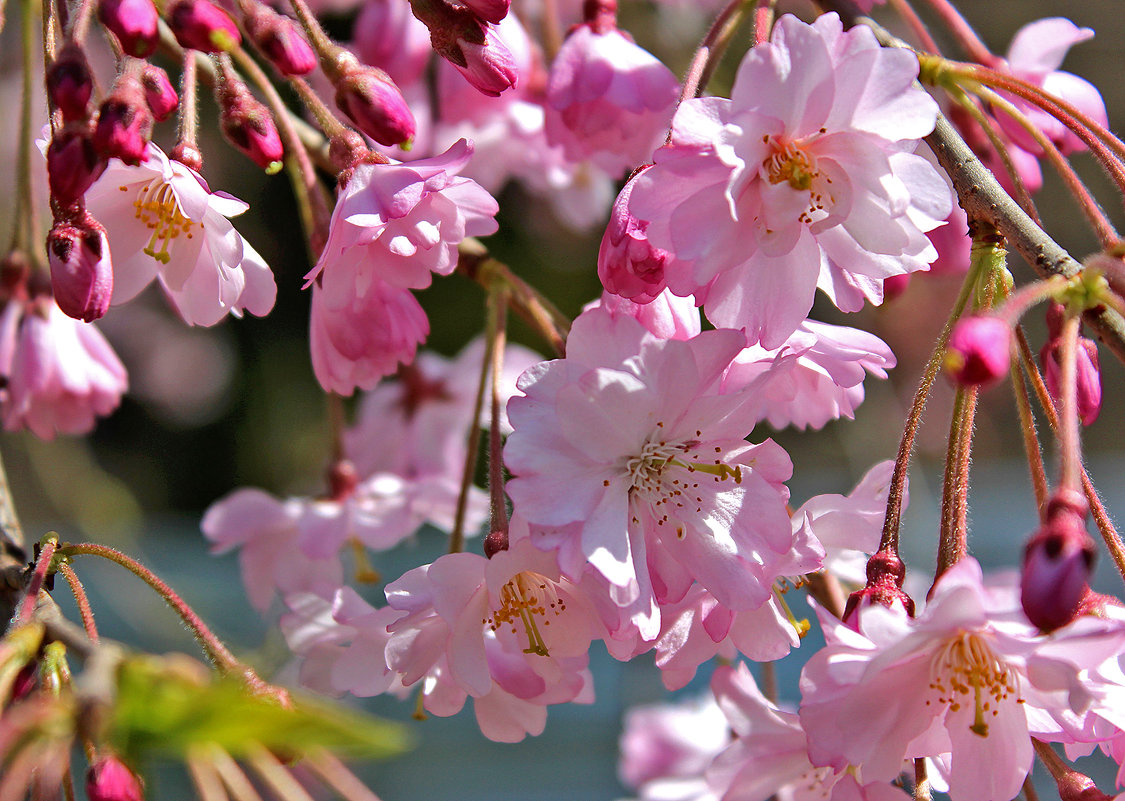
81, 272
159, 93
134, 23
371, 100
885, 575
1088, 389
124, 122
73, 164
495, 542
979, 350
279, 39
628, 264
1057, 563
70, 84
466, 41
109, 780
202, 25
248, 125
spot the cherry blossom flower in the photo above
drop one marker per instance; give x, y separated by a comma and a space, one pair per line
60, 373
608, 100
628, 437
164, 222
667, 316
814, 166
816, 376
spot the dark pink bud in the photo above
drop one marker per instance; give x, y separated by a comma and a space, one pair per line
134, 23
628, 264
124, 122
885, 575
70, 84
371, 100
81, 272
109, 780
279, 39
1088, 395
1057, 562
159, 93
73, 164
495, 542
201, 25
248, 125
979, 350
489, 10
463, 39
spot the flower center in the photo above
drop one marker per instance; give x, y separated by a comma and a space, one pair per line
663, 474
966, 665
531, 599
159, 209
790, 163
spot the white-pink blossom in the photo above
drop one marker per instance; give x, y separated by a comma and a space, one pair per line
60, 373
806, 178
629, 438
163, 221
608, 100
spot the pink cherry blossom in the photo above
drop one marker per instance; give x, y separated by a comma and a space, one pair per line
628, 437
61, 374
164, 222
667, 316
608, 100
400, 224
816, 376
806, 178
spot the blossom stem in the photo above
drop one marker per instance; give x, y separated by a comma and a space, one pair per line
79, 23
214, 649
204, 776
953, 541
550, 29
334, 773
893, 518
1071, 783
24, 223
47, 550
232, 776
963, 32
1094, 214
1030, 437
311, 199
80, 599
325, 49
1070, 443
711, 50
497, 332
763, 21
908, 15
1029, 792
472, 450
187, 146
328, 122
1098, 511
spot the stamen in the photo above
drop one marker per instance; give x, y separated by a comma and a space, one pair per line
966, 664
159, 209
526, 597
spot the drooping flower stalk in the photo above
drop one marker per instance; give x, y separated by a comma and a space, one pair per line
497, 331
80, 599
963, 32
47, 547
714, 44
1030, 438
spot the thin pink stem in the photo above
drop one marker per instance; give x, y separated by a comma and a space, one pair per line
80, 599
963, 32
498, 306
38, 576
1070, 444
710, 50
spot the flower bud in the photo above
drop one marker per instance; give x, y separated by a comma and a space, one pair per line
70, 84
73, 164
495, 542
134, 23
279, 39
489, 10
248, 125
371, 100
1057, 563
628, 264
463, 39
1088, 394
159, 93
109, 780
81, 272
124, 122
201, 25
979, 350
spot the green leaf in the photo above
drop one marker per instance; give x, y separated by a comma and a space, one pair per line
164, 707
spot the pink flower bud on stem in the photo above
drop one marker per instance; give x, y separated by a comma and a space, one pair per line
247, 123
370, 99
885, 575
1057, 562
70, 84
125, 122
471, 45
979, 350
81, 272
73, 163
134, 23
1088, 388
279, 39
201, 25
108, 779
159, 93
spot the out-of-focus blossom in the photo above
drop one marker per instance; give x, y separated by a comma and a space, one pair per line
60, 373
163, 222
608, 100
109, 779
388, 36
1088, 389
804, 179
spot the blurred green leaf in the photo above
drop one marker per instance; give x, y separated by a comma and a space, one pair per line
164, 707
